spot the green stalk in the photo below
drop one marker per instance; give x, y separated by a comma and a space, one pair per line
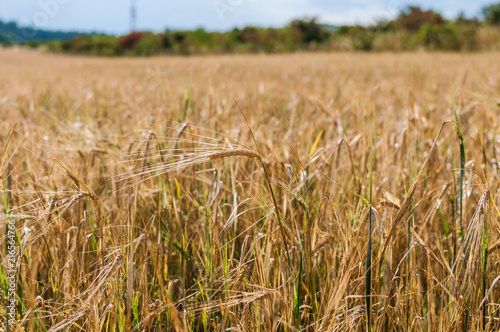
408, 277
453, 216
186, 105
462, 174
462, 167
368, 278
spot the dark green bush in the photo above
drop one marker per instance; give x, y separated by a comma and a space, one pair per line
436, 37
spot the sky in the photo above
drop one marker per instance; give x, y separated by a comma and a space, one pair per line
113, 16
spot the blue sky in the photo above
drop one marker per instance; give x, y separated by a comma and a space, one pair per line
113, 16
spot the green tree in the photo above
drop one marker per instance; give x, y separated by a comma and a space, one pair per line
308, 31
435, 37
148, 45
4, 38
362, 38
491, 14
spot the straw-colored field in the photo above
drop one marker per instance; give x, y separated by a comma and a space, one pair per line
141, 200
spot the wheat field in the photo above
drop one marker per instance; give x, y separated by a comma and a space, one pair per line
314, 192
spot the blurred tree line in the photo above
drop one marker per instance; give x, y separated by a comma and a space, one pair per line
12, 33
413, 29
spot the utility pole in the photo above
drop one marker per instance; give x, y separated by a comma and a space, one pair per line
133, 16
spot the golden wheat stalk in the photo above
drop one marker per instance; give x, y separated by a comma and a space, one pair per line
232, 153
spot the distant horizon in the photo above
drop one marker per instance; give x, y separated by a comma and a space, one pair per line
113, 17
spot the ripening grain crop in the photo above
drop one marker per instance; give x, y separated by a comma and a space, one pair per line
314, 192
